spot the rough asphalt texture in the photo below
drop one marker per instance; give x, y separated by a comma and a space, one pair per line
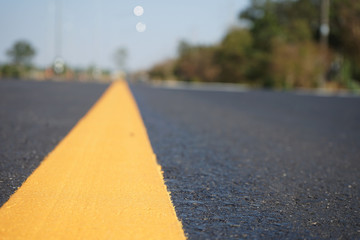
34, 117
258, 165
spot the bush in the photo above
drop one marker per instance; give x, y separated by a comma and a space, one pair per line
298, 65
10, 71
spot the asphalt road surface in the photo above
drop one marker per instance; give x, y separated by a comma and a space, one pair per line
34, 117
238, 165
258, 165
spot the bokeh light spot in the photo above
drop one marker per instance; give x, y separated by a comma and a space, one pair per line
59, 65
140, 27
138, 11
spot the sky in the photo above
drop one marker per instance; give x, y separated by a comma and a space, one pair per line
90, 31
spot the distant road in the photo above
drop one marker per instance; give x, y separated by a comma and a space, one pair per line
251, 164
258, 164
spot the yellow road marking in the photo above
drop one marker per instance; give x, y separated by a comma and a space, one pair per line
101, 182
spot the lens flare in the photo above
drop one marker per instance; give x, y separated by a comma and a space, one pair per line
138, 11
140, 27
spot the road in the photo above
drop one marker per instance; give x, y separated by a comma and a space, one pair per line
34, 117
256, 164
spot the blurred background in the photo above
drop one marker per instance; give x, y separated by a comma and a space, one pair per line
282, 44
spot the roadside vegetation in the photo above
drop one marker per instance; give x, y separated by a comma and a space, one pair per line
278, 46
20, 66
20, 55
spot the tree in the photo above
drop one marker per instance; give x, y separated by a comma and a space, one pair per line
345, 28
197, 63
284, 33
21, 53
163, 70
233, 55
280, 47
264, 23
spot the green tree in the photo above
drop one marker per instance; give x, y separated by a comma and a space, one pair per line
263, 21
280, 47
21, 53
283, 32
287, 19
233, 55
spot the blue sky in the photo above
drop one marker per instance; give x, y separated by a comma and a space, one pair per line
93, 29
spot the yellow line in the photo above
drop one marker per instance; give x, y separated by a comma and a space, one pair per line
101, 182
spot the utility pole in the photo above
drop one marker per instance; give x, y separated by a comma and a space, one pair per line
324, 37
58, 27
324, 26
59, 65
